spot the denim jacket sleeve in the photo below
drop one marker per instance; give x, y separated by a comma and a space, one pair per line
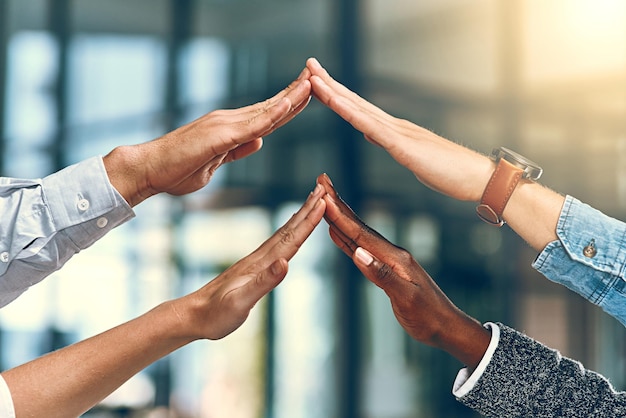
589, 257
45, 222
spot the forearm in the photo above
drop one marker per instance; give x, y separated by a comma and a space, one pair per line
532, 211
465, 339
526, 378
45, 222
124, 168
443, 165
70, 381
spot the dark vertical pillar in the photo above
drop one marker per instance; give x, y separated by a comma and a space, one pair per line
350, 280
181, 23
270, 338
181, 12
59, 24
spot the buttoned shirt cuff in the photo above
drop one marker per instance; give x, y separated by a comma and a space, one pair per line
84, 203
465, 381
591, 238
7, 410
589, 256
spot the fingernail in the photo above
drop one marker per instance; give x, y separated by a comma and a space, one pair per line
315, 62
317, 190
276, 268
363, 256
286, 100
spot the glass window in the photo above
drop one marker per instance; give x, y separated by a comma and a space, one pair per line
116, 91
31, 115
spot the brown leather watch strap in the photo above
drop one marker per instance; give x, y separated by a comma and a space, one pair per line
498, 191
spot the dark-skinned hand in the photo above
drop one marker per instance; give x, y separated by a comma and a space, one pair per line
419, 305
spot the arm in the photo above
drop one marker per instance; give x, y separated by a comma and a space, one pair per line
421, 308
562, 228
185, 159
45, 222
521, 377
442, 165
525, 378
70, 381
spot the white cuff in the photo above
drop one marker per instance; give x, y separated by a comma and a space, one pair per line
465, 382
6, 402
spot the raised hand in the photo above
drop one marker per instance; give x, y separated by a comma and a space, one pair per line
419, 305
438, 163
435, 161
184, 160
69, 381
223, 304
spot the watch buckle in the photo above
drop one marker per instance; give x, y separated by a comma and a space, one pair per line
489, 215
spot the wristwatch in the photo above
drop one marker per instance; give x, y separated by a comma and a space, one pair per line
510, 168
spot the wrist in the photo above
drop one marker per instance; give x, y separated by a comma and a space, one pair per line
450, 168
176, 321
465, 339
125, 168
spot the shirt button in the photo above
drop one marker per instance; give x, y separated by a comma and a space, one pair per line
590, 250
4, 257
102, 222
83, 205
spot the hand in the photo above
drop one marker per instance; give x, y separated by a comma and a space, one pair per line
185, 159
438, 163
75, 378
419, 305
222, 305
532, 211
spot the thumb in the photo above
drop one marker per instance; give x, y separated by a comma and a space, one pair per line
265, 282
375, 270
381, 273
363, 258
277, 271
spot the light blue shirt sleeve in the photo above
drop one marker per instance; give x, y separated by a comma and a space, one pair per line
589, 257
46, 221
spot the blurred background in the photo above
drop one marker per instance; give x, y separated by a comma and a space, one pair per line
545, 78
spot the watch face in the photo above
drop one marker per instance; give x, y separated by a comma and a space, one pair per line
531, 169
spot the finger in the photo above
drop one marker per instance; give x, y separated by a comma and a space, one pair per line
341, 241
265, 282
329, 89
292, 114
288, 238
244, 150
298, 97
343, 218
297, 92
360, 113
290, 90
320, 72
249, 123
292, 236
198, 178
381, 274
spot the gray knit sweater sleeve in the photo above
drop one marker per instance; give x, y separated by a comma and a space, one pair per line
527, 379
